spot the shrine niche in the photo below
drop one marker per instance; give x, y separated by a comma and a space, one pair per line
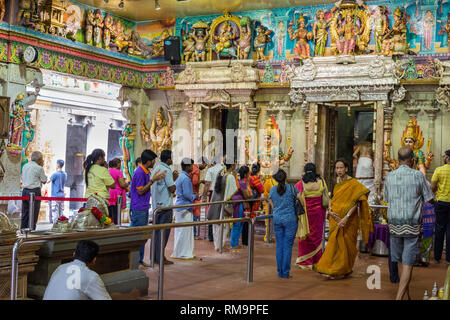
224, 32
159, 136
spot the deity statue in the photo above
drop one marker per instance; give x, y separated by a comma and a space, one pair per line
225, 38
320, 33
26, 9
381, 25
200, 36
245, 40
301, 49
168, 78
160, 134
281, 38
98, 27
121, 40
90, 22
348, 30
287, 71
16, 127
2, 9
188, 46
397, 44
27, 137
126, 143
260, 42
158, 44
270, 156
413, 138
107, 27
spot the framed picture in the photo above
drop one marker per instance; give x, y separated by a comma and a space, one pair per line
4, 117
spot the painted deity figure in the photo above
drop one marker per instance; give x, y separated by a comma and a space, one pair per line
446, 28
260, 42
381, 26
301, 49
126, 143
73, 23
107, 27
397, 43
16, 127
200, 37
281, 38
428, 26
245, 41
26, 7
160, 133
348, 31
413, 138
225, 38
90, 22
320, 33
98, 27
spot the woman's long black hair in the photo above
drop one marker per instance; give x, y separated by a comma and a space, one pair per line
280, 177
243, 172
90, 160
218, 185
310, 173
255, 168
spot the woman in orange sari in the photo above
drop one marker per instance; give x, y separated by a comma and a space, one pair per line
349, 210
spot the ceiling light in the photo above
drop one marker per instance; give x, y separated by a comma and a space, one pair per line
157, 7
121, 4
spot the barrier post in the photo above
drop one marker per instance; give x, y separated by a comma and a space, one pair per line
251, 243
153, 243
161, 265
31, 212
119, 210
221, 230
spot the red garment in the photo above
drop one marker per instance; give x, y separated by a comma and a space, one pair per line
195, 178
255, 184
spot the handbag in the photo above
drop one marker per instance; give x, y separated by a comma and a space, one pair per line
228, 210
299, 210
325, 196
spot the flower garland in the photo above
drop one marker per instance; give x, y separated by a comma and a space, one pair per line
99, 215
63, 218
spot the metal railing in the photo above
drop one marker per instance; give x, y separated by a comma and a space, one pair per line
130, 230
155, 216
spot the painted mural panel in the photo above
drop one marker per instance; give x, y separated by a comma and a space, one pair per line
348, 27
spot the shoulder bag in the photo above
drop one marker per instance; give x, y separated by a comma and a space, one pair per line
299, 210
325, 196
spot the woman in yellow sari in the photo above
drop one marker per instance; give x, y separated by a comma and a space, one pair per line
349, 211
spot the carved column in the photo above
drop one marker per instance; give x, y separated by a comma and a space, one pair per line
311, 148
432, 113
412, 108
388, 116
379, 149
305, 110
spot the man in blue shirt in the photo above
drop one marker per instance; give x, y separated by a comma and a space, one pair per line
184, 237
58, 180
140, 195
162, 196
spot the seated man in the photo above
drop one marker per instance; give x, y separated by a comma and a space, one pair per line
74, 280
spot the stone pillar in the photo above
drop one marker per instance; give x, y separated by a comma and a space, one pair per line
379, 149
305, 109
388, 116
432, 113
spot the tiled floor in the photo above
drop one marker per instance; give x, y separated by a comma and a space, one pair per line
223, 276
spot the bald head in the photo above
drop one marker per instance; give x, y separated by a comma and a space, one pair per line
405, 155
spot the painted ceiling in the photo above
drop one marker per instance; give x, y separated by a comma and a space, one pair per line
144, 10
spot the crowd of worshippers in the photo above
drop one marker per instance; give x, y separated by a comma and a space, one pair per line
299, 211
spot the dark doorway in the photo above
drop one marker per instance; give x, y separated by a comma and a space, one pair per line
114, 150
230, 121
75, 155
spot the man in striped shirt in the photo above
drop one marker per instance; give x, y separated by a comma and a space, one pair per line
405, 190
440, 184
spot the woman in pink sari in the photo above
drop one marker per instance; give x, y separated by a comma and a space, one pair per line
120, 189
311, 186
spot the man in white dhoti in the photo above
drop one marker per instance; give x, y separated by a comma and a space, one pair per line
184, 237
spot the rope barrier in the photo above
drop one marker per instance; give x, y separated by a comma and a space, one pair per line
52, 199
14, 198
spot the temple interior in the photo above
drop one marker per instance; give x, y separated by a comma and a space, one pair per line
281, 83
